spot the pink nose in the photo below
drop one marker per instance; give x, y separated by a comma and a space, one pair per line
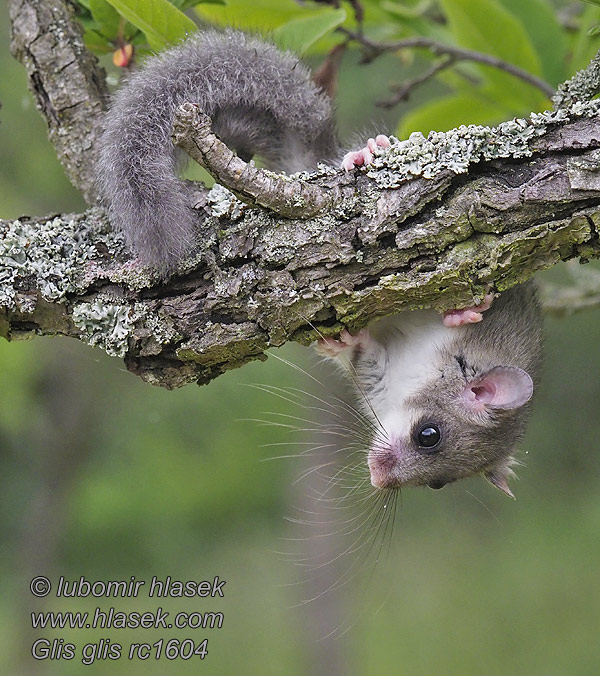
382, 463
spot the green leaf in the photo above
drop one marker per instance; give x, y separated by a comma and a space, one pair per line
88, 23
451, 112
407, 11
301, 33
185, 4
390, 19
549, 39
106, 17
486, 26
96, 42
394, 21
162, 23
585, 45
255, 15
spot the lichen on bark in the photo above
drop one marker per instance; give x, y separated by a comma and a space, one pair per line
433, 222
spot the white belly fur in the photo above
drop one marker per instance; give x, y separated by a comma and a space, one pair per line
412, 341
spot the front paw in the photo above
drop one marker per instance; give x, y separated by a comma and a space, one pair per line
345, 344
468, 315
359, 158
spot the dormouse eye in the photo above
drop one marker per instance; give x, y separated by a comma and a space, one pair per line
429, 437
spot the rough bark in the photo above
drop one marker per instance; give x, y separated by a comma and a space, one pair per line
259, 279
432, 223
68, 85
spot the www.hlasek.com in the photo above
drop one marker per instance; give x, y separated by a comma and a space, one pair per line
111, 618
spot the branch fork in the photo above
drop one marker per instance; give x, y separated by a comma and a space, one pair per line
287, 197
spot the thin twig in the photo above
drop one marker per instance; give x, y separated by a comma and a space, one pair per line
359, 12
458, 53
566, 302
403, 91
583, 293
286, 197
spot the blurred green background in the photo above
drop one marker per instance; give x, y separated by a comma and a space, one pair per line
105, 477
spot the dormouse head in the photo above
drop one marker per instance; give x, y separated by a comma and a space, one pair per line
461, 422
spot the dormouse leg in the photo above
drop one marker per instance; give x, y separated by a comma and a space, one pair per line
468, 315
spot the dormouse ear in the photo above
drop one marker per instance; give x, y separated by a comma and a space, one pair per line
499, 478
505, 387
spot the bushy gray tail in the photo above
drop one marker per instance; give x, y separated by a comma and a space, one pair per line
262, 101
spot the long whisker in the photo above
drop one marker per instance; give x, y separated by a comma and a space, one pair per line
353, 376
354, 547
292, 396
346, 505
355, 379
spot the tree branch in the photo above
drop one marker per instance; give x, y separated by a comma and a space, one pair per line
583, 86
582, 294
68, 85
293, 198
402, 91
433, 222
457, 53
435, 239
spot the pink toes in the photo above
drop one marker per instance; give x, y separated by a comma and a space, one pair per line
469, 315
486, 304
333, 347
356, 159
459, 317
382, 141
359, 158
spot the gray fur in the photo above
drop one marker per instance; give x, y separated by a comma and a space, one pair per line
473, 442
509, 335
262, 101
